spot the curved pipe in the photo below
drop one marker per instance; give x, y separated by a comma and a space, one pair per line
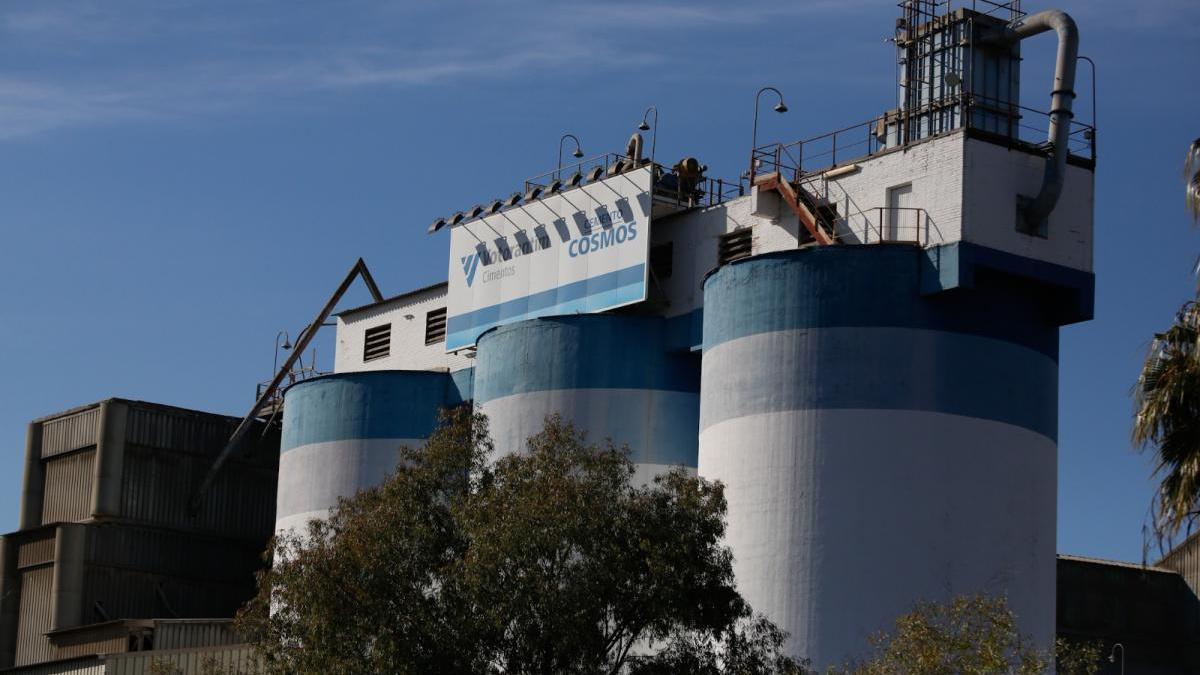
633, 149
1039, 208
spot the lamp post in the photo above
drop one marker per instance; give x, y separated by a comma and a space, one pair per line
287, 344
1094, 129
646, 127
577, 154
780, 107
1112, 656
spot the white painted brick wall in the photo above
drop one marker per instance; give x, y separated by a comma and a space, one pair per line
995, 176
408, 349
968, 188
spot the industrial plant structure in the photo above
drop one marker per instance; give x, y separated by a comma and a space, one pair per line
109, 558
858, 336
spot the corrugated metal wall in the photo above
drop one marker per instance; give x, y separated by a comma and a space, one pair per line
173, 429
158, 483
191, 633
91, 666
71, 432
109, 645
1185, 559
36, 614
234, 660
68, 495
36, 552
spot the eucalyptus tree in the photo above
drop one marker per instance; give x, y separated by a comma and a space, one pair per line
545, 561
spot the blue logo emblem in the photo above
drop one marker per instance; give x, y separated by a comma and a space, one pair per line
470, 263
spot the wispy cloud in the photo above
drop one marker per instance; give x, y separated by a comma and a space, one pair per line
90, 62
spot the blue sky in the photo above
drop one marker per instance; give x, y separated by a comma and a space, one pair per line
181, 180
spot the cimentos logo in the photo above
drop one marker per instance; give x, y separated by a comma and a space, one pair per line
470, 263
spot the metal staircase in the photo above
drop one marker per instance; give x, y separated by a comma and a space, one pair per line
815, 216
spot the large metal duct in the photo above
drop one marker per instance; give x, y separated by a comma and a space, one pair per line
342, 433
610, 375
878, 446
1062, 97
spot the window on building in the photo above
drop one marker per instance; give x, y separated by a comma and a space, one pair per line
734, 246
435, 326
377, 342
662, 260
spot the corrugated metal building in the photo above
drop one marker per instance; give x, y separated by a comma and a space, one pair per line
106, 535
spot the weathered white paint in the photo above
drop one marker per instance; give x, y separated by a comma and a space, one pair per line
841, 519
654, 424
312, 477
995, 175
408, 349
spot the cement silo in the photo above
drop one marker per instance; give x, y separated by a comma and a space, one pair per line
879, 446
613, 376
343, 432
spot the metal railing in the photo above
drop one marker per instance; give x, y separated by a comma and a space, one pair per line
1008, 122
297, 374
885, 224
668, 185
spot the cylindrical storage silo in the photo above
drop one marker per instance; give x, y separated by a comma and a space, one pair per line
343, 432
610, 375
879, 446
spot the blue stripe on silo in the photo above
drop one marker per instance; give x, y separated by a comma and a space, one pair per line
462, 386
860, 286
580, 352
375, 404
883, 368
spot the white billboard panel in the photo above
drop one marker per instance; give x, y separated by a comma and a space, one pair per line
582, 250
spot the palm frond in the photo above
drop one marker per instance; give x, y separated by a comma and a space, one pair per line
1191, 177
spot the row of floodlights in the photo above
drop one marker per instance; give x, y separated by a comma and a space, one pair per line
536, 192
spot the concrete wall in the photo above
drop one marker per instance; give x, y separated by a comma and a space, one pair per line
610, 375
878, 447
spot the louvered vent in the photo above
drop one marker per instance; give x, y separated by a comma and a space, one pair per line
734, 246
435, 326
377, 342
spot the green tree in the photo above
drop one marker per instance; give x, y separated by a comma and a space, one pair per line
970, 635
550, 561
1167, 398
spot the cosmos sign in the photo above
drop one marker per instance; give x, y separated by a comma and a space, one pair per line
581, 250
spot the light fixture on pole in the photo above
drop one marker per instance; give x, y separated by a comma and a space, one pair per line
577, 154
287, 344
780, 107
1112, 655
646, 127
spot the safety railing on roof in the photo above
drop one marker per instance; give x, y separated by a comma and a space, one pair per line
669, 185
999, 121
885, 224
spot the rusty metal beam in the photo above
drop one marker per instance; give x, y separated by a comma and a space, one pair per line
305, 337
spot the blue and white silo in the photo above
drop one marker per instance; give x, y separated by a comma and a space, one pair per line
613, 376
342, 433
879, 446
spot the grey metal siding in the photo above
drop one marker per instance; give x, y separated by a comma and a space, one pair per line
36, 614
190, 633
158, 484
70, 432
233, 660
68, 496
85, 666
1185, 559
36, 552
